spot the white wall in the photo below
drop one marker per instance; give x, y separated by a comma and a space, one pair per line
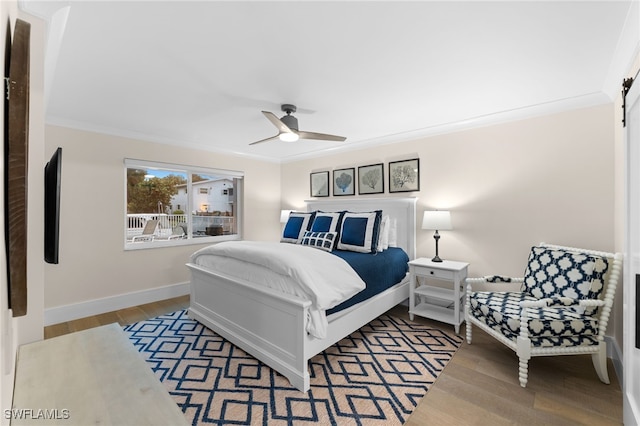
93, 263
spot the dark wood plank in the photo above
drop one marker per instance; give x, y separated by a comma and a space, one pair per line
16, 157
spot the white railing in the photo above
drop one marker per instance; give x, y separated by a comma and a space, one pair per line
219, 225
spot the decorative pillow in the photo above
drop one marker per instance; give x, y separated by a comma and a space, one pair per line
359, 231
393, 233
383, 237
322, 240
553, 272
297, 224
326, 222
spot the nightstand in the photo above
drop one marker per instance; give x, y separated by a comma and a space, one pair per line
443, 303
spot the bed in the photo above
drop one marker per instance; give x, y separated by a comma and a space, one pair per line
271, 325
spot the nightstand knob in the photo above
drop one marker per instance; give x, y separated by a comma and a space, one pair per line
431, 272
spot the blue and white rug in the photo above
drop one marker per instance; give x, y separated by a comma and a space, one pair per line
376, 376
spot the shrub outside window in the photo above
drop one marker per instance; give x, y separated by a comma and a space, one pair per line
170, 204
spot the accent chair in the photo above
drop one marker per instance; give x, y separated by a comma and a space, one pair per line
562, 307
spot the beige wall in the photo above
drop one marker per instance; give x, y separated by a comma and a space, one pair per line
508, 186
552, 178
93, 262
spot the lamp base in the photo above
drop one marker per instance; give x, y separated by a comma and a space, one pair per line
436, 237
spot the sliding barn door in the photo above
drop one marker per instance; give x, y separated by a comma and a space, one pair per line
631, 342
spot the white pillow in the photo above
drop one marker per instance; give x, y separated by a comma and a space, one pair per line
393, 233
383, 238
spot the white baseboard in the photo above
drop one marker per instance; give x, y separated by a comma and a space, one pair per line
99, 306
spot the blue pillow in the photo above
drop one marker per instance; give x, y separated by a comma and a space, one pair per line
297, 224
359, 231
322, 240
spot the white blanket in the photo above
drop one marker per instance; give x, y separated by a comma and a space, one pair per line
324, 279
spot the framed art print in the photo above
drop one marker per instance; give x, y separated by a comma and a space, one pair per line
344, 182
320, 184
404, 176
371, 179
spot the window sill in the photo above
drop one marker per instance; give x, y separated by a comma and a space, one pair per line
144, 245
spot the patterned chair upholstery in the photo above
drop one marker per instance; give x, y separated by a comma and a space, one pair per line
562, 308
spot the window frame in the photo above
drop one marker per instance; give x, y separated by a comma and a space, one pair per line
238, 176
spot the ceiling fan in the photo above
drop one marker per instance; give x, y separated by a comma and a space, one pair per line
288, 128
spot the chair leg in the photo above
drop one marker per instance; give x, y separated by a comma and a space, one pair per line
524, 355
523, 372
468, 328
600, 363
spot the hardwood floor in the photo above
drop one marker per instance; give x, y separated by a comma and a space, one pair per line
478, 387
122, 317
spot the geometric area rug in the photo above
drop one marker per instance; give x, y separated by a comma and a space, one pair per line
375, 376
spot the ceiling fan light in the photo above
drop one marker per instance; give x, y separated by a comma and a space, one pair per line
289, 137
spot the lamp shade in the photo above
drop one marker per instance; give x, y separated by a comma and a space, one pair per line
284, 215
437, 220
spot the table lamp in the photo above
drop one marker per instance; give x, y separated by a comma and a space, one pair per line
436, 220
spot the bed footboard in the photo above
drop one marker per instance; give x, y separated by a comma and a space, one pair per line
271, 326
264, 323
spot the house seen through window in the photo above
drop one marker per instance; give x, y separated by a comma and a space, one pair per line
173, 205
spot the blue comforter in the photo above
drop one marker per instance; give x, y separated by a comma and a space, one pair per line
379, 271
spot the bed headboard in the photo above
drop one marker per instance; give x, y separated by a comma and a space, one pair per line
401, 209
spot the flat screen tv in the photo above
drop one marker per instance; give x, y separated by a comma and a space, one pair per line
52, 179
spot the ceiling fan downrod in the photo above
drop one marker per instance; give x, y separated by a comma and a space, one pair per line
289, 120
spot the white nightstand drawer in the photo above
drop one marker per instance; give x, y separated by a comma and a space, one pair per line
433, 272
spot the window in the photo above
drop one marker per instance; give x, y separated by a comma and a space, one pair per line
170, 204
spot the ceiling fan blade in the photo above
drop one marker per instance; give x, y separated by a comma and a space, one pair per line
321, 136
272, 138
276, 122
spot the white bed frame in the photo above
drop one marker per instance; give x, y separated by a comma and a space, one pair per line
270, 325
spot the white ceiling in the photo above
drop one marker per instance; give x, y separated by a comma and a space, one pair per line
197, 74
